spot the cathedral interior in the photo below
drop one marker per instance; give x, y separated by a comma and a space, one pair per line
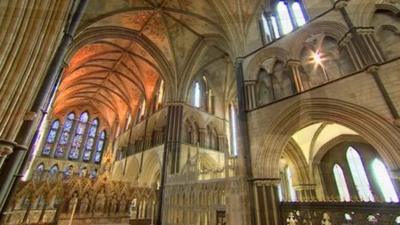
200, 112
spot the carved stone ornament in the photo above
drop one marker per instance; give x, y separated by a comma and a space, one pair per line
5, 150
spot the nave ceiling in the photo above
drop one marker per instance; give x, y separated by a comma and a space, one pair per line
124, 47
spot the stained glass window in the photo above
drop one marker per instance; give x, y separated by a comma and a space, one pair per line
100, 147
341, 183
298, 14
90, 140
284, 17
62, 143
384, 181
78, 138
359, 175
51, 137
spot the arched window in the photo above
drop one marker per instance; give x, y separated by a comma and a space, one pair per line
65, 136
100, 147
51, 137
78, 138
90, 140
197, 95
233, 130
359, 176
282, 18
385, 183
341, 183
298, 14
292, 191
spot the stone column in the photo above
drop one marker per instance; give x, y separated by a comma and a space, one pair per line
359, 41
250, 94
240, 206
267, 202
171, 155
295, 65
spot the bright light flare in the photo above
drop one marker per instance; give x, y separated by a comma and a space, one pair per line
317, 58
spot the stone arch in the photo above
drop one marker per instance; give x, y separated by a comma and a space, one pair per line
257, 60
330, 144
295, 154
332, 29
380, 133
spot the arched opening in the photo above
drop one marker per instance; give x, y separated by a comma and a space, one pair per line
327, 160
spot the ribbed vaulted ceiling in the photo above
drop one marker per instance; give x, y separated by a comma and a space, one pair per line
111, 74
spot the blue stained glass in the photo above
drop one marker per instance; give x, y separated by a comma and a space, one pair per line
86, 155
81, 128
64, 138
103, 135
100, 146
68, 125
59, 151
52, 136
74, 153
89, 143
84, 117
97, 157
95, 122
77, 141
92, 131
46, 150
71, 116
55, 125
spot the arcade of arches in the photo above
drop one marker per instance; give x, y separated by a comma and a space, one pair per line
206, 112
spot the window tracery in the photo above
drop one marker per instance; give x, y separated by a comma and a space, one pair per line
86, 143
51, 137
283, 17
65, 136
